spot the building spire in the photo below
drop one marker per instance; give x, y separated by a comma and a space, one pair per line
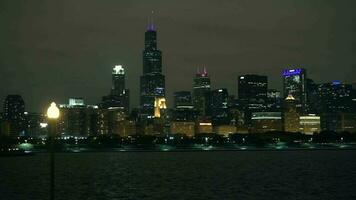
151, 25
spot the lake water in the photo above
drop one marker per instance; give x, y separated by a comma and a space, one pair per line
317, 174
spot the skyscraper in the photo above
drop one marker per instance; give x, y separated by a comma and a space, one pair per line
219, 107
252, 94
290, 115
183, 107
201, 89
77, 119
334, 97
118, 80
252, 89
119, 97
295, 84
152, 81
274, 100
14, 115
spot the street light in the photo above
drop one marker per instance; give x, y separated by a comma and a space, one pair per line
52, 115
53, 111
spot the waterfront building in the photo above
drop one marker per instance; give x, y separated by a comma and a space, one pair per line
204, 126
35, 124
309, 124
14, 122
266, 121
225, 130
109, 120
183, 127
338, 122
77, 119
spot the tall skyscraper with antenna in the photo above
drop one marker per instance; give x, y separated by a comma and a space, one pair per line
152, 81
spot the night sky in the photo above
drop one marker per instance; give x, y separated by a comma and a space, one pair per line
53, 50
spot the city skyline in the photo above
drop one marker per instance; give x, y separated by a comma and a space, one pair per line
30, 59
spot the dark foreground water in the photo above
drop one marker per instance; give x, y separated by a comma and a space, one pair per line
318, 174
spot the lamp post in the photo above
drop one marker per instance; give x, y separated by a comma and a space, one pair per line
52, 115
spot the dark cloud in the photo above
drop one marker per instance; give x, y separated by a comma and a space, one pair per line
59, 49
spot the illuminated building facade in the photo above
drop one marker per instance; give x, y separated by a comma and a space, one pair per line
290, 115
201, 89
152, 82
160, 107
184, 128
109, 120
204, 126
266, 121
78, 119
225, 130
125, 128
309, 124
334, 97
14, 123
295, 84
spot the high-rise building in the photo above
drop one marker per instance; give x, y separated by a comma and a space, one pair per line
14, 115
35, 123
295, 84
201, 89
253, 88
334, 97
152, 81
312, 96
78, 119
119, 97
252, 94
118, 80
291, 115
219, 107
274, 100
183, 107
